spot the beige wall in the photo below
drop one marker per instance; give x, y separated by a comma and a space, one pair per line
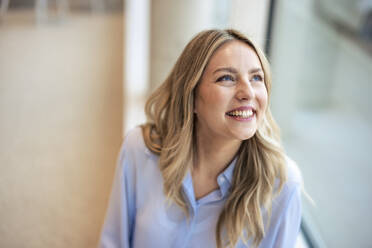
60, 128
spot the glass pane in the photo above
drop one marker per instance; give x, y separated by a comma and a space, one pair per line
322, 70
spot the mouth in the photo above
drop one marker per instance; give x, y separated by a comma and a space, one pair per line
243, 113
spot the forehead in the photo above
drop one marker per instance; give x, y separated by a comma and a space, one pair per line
234, 54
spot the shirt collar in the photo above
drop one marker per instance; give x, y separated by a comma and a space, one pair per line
224, 180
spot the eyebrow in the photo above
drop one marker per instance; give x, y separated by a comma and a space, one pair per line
228, 69
234, 71
254, 70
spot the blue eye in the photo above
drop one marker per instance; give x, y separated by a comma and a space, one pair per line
225, 78
257, 78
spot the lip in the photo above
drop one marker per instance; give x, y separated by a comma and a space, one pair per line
242, 108
242, 119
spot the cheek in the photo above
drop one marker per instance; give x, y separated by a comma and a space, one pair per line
210, 100
262, 98
263, 102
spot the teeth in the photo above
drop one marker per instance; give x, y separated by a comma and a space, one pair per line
244, 114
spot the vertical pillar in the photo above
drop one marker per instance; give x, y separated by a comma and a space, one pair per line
136, 57
173, 24
250, 17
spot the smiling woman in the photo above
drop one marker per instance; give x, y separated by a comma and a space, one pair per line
231, 98
207, 169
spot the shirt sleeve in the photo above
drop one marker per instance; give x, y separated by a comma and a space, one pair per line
284, 228
289, 224
118, 226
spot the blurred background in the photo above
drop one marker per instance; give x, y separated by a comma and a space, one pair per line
74, 76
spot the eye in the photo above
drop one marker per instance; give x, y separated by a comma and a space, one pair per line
225, 78
257, 78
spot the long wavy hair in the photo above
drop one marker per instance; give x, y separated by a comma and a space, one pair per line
259, 172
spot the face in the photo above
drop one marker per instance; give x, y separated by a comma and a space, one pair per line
231, 98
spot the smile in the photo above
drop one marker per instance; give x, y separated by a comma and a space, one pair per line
241, 113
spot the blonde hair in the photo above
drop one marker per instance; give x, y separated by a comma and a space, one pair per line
170, 134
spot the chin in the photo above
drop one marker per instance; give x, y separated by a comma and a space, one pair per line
246, 133
245, 136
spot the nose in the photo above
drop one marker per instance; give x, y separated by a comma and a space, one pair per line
245, 91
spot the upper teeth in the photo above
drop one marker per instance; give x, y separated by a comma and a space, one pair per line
244, 113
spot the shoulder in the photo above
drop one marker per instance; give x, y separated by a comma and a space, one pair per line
139, 166
133, 138
294, 175
133, 149
292, 186
133, 142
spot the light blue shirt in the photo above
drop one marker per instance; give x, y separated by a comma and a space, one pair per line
139, 216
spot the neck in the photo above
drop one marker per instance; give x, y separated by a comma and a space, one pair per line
214, 153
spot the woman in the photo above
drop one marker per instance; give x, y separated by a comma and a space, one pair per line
207, 169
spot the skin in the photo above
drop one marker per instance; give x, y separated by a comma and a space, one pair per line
233, 78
